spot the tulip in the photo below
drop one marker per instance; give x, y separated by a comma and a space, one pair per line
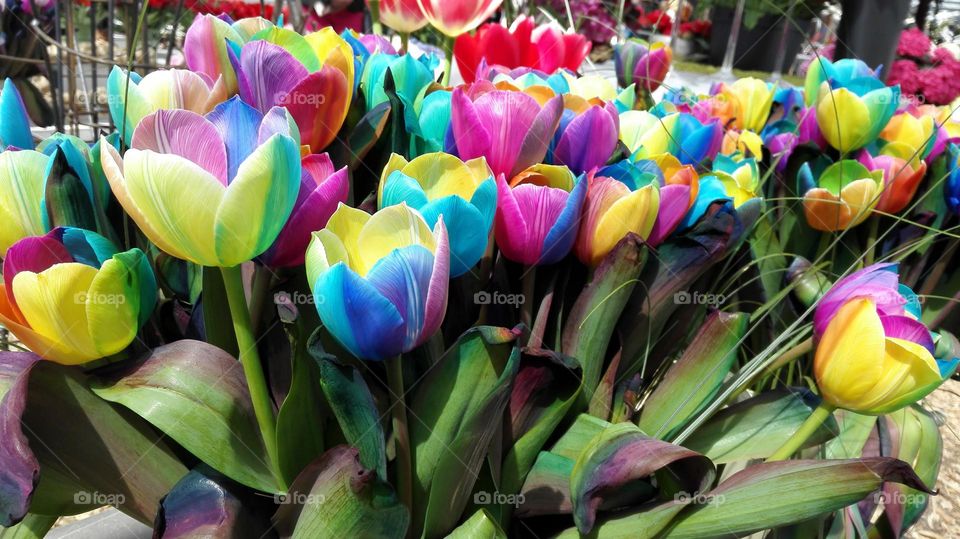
538, 214
74, 195
873, 354
456, 17
678, 134
404, 16
559, 49
71, 297
900, 180
613, 210
322, 189
510, 129
640, 63
213, 190
743, 142
380, 280
753, 99
208, 41
598, 90
841, 197
952, 186
587, 136
734, 179
14, 122
22, 179
410, 77
439, 184
536, 83
909, 137
312, 76
852, 118
130, 98
844, 73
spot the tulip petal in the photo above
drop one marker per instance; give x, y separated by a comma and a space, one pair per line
126, 103
319, 104
258, 201
469, 130
237, 124
346, 224
402, 188
467, 229
559, 240
175, 89
403, 277
634, 213
510, 227
905, 328
50, 348
14, 123
436, 303
278, 121
267, 73
537, 139
588, 141
850, 355
325, 250
205, 51
364, 321
295, 44
909, 372
391, 228
184, 133
113, 307
21, 193
674, 202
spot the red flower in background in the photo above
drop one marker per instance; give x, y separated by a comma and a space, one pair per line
546, 48
656, 20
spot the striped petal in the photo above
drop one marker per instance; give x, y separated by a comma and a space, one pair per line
563, 233
403, 277
236, 123
267, 73
589, 140
205, 50
22, 177
391, 228
184, 133
319, 104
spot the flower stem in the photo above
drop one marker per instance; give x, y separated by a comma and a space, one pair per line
404, 42
805, 431
448, 61
259, 292
529, 287
400, 433
375, 17
252, 368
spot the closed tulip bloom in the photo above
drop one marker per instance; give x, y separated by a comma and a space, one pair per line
909, 137
952, 186
455, 17
844, 73
22, 179
611, 212
322, 189
851, 120
70, 297
901, 179
439, 184
510, 129
587, 137
735, 180
538, 214
873, 354
14, 122
164, 89
753, 99
404, 16
212, 190
843, 195
380, 280
679, 134
641, 63
410, 76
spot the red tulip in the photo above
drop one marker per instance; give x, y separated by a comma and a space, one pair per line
456, 17
402, 15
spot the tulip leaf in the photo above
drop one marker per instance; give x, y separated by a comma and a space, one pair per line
337, 497
645, 522
32, 526
196, 394
852, 430
206, 504
775, 494
19, 469
106, 454
696, 377
355, 410
622, 456
593, 319
455, 411
480, 526
350, 152
755, 428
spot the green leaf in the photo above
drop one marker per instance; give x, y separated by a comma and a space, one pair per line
775, 494
755, 428
109, 453
696, 377
593, 319
645, 522
350, 152
480, 526
622, 456
196, 394
456, 409
337, 497
31, 527
852, 430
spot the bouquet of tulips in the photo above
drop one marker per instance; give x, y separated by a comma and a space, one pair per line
307, 289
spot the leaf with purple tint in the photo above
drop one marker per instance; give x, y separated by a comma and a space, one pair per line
206, 504
19, 469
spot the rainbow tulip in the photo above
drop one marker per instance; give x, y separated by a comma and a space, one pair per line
510, 129
212, 190
71, 297
752, 99
851, 118
439, 184
456, 17
901, 179
733, 178
952, 186
322, 189
311, 76
410, 77
586, 137
380, 280
873, 354
679, 134
844, 73
22, 180
432, 110
404, 16
131, 98
538, 214
909, 137
842, 196
640, 63
613, 210
14, 122
208, 40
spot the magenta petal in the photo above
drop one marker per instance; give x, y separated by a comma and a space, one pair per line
551, 48
877, 283
436, 303
508, 117
538, 136
541, 208
908, 329
674, 202
33, 254
589, 140
472, 137
183, 133
317, 167
267, 73
510, 227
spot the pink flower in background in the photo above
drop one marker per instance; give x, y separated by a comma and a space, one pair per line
913, 42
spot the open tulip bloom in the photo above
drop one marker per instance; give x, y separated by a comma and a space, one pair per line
71, 297
679, 134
